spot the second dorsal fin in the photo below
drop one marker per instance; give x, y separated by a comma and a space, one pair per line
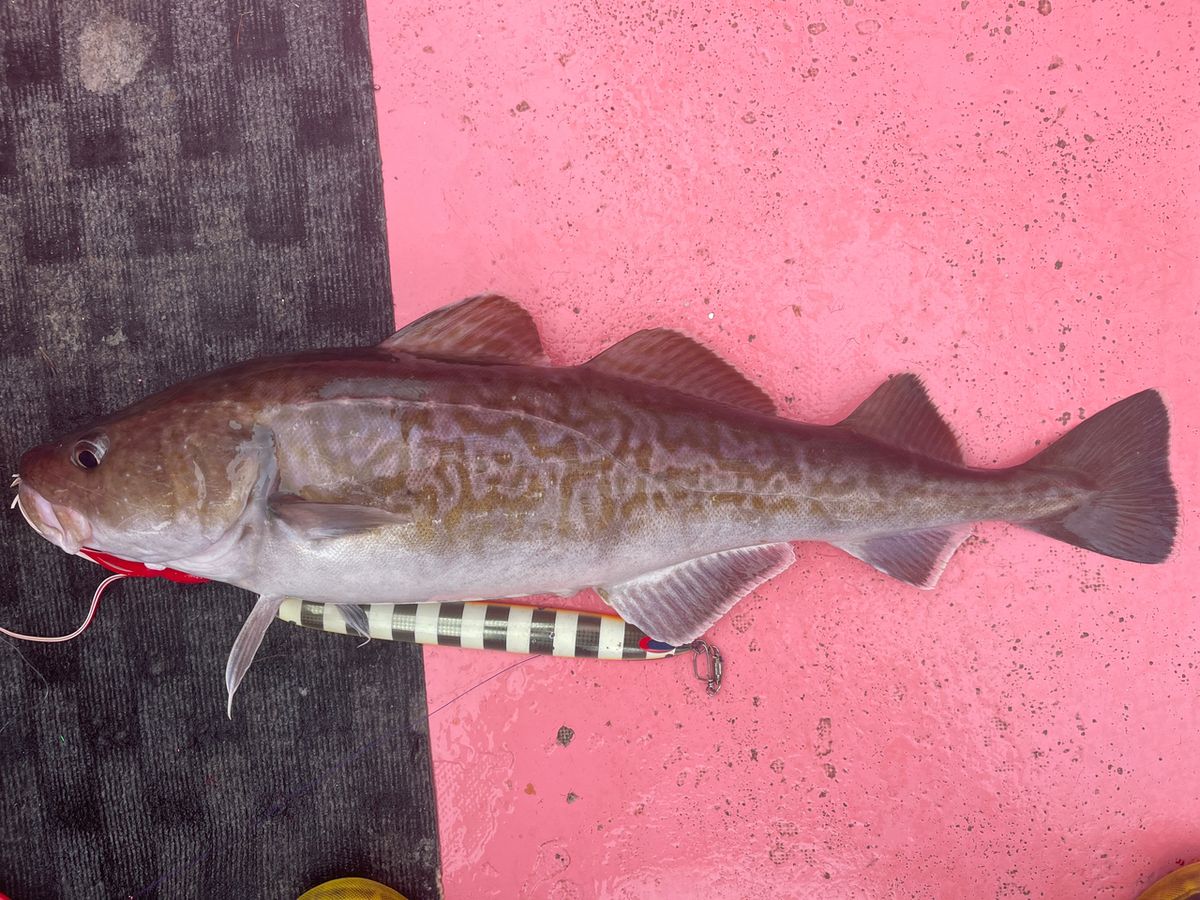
669, 359
487, 328
901, 414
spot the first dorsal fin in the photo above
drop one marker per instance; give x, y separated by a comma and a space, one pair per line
487, 328
673, 360
901, 414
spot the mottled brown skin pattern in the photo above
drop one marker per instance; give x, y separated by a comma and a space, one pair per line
507, 472
631, 448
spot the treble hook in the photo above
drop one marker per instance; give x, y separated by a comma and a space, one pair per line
713, 666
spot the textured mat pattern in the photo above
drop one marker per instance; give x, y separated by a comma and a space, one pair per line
181, 186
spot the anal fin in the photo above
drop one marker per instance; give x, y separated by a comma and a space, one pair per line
914, 557
679, 604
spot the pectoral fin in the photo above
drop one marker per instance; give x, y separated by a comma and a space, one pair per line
678, 604
316, 521
247, 643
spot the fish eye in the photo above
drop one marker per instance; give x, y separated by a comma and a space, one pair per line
88, 452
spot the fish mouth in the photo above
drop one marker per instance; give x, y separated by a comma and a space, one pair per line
60, 525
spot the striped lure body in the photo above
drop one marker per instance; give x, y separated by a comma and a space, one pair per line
452, 462
486, 626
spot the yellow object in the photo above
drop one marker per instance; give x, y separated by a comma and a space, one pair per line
1182, 884
351, 889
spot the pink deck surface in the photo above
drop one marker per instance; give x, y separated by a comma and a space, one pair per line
1000, 197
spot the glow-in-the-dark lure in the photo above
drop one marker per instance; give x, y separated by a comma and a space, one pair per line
510, 627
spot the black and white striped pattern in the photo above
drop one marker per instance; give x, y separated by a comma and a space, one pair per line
486, 626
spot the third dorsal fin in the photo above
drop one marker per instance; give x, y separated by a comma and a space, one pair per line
669, 359
901, 414
487, 328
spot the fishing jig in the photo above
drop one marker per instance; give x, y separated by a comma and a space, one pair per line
510, 627
481, 625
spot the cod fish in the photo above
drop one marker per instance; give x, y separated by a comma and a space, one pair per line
452, 462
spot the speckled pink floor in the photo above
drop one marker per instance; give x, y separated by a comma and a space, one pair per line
1000, 197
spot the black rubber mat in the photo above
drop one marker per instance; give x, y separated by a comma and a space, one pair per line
181, 186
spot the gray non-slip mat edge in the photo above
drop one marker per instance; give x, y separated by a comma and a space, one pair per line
181, 186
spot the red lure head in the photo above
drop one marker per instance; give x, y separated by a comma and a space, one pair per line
137, 569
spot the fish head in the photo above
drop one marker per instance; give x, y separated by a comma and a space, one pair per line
162, 482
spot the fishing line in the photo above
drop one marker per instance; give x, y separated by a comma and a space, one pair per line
25, 659
91, 614
36, 671
280, 806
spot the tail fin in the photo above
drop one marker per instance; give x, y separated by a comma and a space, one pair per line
1122, 451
